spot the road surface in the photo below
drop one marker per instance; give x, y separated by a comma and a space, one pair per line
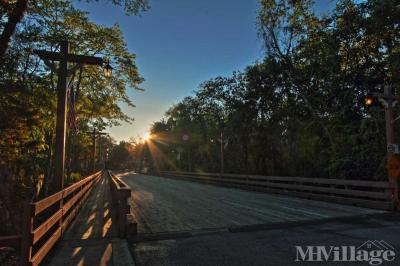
273, 246
168, 205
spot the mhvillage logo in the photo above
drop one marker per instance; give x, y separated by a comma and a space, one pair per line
374, 252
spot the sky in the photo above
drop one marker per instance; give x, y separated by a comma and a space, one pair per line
178, 45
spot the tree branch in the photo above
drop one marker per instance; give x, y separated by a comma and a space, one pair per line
14, 18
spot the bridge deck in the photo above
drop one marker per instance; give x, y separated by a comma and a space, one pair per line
91, 239
227, 226
167, 205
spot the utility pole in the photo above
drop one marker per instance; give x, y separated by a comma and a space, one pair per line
102, 151
64, 57
222, 145
185, 139
222, 152
389, 101
94, 147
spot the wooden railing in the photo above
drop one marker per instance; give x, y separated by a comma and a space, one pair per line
46, 220
370, 194
13, 241
120, 195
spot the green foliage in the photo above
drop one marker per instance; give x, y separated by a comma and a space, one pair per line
28, 94
130, 6
300, 111
121, 156
75, 177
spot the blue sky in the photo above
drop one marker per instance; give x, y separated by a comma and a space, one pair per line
179, 44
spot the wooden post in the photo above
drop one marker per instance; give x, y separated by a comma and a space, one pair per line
390, 139
61, 118
123, 210
63, 57
27, 229
131, 226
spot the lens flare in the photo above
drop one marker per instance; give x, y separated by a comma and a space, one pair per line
146, 136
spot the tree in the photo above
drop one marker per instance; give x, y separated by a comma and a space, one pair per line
121, 156
12, 13
96, 97
28, 97
300, 111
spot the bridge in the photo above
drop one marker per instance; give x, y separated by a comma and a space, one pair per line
182, 218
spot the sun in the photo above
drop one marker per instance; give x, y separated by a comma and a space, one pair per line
146, 136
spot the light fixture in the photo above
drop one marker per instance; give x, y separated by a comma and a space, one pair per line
369, 101
107, 70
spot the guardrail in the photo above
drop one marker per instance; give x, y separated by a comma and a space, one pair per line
46, 220
370, 194
120, 194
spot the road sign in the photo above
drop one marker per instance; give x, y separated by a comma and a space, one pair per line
393, 148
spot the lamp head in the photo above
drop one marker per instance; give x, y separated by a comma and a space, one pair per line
107, 70
368, 101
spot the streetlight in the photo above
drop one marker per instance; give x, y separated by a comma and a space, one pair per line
64, 57
369, 101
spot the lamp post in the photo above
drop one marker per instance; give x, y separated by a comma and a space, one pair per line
222, 145
64, 57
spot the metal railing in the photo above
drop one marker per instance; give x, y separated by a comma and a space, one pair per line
370, 194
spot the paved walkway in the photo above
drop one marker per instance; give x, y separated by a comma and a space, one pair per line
91, 239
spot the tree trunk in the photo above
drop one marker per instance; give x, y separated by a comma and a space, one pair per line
48, 176
9, 29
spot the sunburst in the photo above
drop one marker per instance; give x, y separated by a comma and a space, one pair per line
146, 136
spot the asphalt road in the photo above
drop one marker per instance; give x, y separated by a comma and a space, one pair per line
169, 205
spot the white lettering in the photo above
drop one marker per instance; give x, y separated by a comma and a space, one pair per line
367, 252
